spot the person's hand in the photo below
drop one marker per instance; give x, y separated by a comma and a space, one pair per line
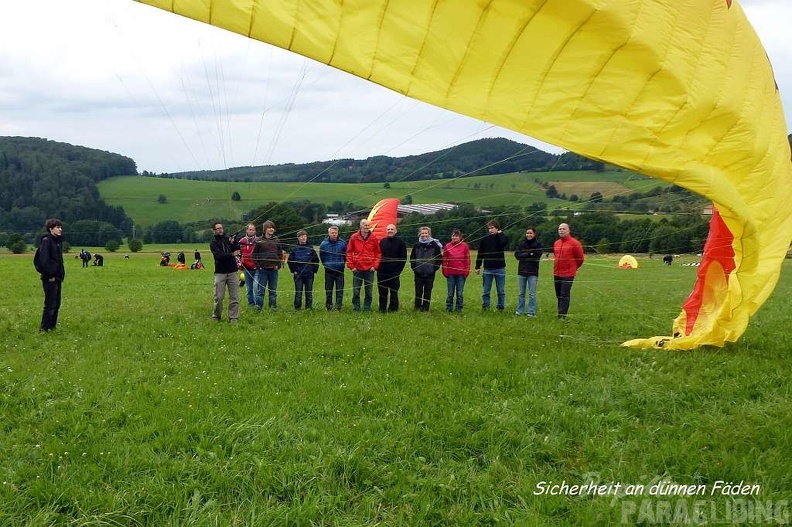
478, 271
52, 279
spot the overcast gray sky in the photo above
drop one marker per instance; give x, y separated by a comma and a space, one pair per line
177, 95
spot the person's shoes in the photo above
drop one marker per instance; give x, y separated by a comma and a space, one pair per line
518, 312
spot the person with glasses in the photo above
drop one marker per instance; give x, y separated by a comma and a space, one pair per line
225, 252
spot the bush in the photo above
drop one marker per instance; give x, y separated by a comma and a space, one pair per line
16, 244
135, 245
112, 245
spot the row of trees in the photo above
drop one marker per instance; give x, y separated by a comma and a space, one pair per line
600, 231
480, 157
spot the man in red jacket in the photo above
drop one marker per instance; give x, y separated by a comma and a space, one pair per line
363, 258
568, 258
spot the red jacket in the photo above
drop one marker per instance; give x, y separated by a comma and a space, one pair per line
246, 245
363, 255
456, 259
568, 257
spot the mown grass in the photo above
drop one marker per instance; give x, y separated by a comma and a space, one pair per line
140, 411
190, 201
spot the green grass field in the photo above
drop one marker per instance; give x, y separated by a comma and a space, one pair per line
138, 410
190, 201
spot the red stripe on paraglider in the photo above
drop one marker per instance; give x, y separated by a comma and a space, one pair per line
718, 248
384, 213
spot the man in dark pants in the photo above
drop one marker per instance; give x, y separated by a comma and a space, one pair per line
394, 257
52, 272
569, 256
332, 253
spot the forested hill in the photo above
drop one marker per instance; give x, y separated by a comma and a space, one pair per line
41, 179
476, 158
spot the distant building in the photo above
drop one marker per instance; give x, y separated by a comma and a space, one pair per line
351, 218
425, 208
336, 219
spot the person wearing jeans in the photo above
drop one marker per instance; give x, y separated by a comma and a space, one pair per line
528, 254
491, 257
363, 258
246, 245
268, 255
456, 268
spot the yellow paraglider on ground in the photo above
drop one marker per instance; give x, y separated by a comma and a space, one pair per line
628, 262
682, 91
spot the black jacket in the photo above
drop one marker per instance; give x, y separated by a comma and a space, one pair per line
490, 251
51, 258
394, 256
426, 258
223, 252
528, 254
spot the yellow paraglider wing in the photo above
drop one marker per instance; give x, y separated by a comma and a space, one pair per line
682, 91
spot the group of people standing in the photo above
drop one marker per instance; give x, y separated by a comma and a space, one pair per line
370, 258
261, 257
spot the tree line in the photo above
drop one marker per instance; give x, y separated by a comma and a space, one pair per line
475, 158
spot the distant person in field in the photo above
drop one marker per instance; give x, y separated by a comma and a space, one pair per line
491, 256
85, 256
569, 256
197, 255
268, 255
246, 245
426, 258
528, 254
668, 259
53, 272
181, 258
226, 274
332, 253
304, 264
456, 268
363, 259
98, 260
393, 252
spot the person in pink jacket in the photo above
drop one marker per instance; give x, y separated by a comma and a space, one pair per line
456, 268
569, 257
363, 256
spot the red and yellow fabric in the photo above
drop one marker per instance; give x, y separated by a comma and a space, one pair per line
682, 91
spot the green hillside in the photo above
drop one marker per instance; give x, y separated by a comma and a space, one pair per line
189, 200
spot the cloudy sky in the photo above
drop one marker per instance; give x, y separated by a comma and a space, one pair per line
176, 95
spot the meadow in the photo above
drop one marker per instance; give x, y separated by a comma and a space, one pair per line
138, 410
190, 201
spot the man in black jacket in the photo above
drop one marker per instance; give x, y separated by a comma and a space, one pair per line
491, 255
52, 272
394, 257
225, 250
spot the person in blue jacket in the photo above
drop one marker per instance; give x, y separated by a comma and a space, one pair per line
303, 263
332, 253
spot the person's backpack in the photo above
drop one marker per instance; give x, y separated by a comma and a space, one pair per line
37, 260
